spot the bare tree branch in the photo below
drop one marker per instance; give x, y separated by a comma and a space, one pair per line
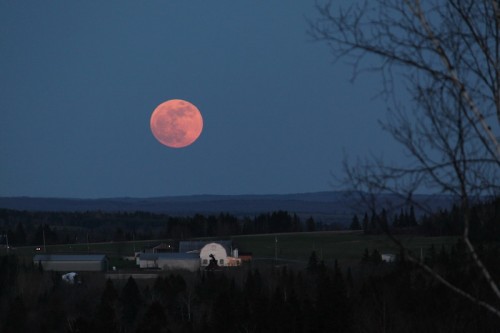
448, 54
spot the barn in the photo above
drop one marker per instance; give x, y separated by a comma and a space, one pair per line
170, 261
72, 262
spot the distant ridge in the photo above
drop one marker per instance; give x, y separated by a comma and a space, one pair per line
329, 207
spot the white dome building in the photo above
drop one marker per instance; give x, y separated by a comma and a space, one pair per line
215, 249
220, 254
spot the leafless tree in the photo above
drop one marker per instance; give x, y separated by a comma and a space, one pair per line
446, 53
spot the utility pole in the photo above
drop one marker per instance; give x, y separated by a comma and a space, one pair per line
43, 234
6, 241
276, 250
133, 241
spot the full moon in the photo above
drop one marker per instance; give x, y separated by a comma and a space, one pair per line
176, 123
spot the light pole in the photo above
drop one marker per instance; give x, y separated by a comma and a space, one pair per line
276, 250
43, 234
6, 236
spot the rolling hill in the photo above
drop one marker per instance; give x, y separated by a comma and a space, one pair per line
327, 207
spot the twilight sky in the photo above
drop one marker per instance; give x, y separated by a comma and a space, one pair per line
80, 79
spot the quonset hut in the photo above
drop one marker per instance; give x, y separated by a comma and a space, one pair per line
221, 251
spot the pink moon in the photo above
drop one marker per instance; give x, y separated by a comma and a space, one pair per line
176, 123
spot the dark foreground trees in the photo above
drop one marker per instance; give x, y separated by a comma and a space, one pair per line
371, 296
446, 54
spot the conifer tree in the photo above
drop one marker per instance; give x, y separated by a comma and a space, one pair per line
154, 320
106, 320
15, 319
130, 299
355, 225
312, 265
366, 223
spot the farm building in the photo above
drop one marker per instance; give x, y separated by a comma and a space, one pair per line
388, 257
222, 250
170, 261
72, 262
245, 256
163, 247
220, 254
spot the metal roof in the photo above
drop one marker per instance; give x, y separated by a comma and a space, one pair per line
171, 255
69, 257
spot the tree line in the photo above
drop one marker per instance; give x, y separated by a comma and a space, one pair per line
30, 228
445, 222
22, 228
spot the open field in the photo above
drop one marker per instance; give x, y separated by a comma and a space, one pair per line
345, 246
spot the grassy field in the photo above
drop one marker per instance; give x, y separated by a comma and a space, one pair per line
341, 245
345, 246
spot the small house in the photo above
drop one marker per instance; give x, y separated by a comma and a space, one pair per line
245, 256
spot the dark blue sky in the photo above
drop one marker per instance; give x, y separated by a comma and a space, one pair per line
80, 79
